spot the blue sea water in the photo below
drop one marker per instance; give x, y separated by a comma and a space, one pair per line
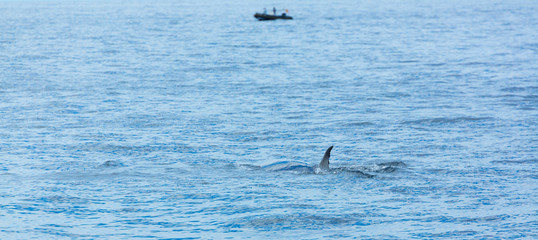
137, 119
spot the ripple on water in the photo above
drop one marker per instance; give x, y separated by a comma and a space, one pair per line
297, 221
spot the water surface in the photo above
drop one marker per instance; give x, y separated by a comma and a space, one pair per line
135, 119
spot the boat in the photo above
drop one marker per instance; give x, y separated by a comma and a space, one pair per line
265, 16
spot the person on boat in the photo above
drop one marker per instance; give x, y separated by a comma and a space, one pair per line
264, 11
274, 11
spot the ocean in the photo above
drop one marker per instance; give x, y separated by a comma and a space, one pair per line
153, 119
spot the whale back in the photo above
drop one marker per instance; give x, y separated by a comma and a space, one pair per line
324, 164
287, 166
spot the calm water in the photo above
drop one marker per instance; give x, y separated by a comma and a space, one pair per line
135, 119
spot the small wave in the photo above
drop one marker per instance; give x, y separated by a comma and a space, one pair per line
524, 161
359, 124
111, 163
392, 164
61, 199
447, 120
434, 64
450, 234
397, 95
387, 167
355, 171
33, 57
531, 46
473, 64
408, 61
514, 89
245, 166
444, 219
296, 221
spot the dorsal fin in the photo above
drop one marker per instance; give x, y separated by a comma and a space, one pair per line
324, 164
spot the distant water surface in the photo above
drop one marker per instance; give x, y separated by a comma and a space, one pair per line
137, 119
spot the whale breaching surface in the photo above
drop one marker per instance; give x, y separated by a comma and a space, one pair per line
323, 167
324, 164
299, 167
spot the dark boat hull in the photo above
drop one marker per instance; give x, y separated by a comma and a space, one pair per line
263, 17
